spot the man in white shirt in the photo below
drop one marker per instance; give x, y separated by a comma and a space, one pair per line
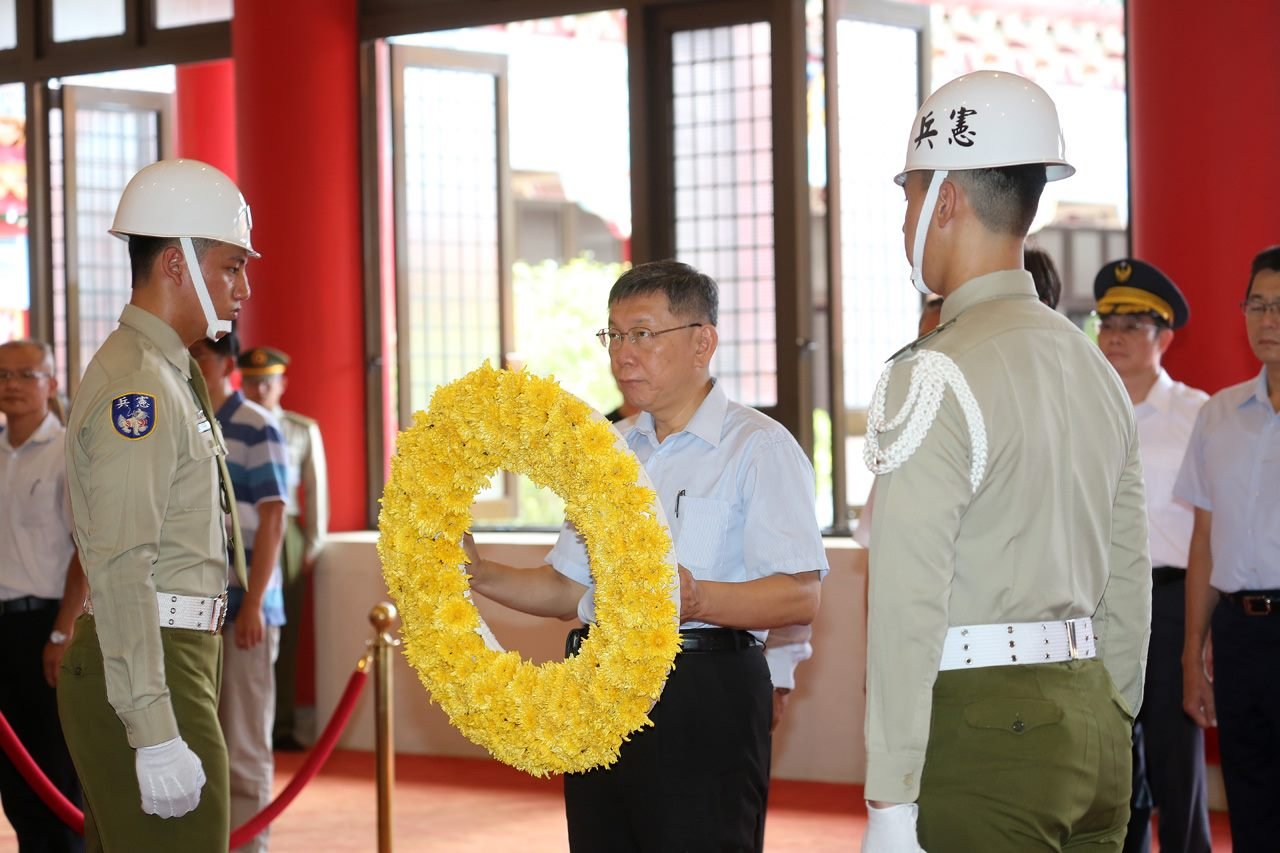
739, 495
42, 589
1140, 307
1231, 475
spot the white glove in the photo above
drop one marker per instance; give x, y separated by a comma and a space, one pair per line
891, 830
170, 777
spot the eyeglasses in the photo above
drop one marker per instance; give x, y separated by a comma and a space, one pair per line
1125, 324
1256, 309
639, 336
23, 375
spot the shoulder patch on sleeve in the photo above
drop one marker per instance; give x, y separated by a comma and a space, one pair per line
133, 415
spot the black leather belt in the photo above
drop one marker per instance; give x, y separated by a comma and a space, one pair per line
1165, 575
1256, 602
28, 604
695, 640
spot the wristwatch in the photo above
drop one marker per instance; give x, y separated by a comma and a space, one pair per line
57, 638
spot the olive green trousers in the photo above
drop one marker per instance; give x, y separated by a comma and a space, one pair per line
1026, 758
114, 820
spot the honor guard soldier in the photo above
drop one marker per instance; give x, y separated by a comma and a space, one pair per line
138, 688
1140, 307
1010, 589
263, 378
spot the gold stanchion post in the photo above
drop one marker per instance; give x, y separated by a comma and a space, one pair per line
383, 617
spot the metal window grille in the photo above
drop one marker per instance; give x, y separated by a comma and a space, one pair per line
723, 178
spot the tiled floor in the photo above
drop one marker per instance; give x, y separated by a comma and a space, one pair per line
463, 805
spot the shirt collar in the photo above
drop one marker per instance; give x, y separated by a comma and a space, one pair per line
984, 288
47, 431
1161, 392
707, 422
230, 406
1260, 394
159, 333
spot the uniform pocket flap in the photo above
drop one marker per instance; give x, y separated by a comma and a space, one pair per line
1012, 715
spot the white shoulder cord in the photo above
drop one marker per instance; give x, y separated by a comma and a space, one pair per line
930, 376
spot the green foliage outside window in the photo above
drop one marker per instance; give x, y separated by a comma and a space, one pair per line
558, 310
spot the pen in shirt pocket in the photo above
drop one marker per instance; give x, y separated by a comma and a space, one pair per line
681, 494
33, 488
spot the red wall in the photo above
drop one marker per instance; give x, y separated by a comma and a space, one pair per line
297, 133
206, 108
1204, 117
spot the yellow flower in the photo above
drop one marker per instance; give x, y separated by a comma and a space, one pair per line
559, 717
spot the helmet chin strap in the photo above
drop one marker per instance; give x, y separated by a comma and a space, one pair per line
213, 326
922, 230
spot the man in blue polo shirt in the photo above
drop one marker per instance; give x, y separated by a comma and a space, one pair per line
257, 459
1231, 475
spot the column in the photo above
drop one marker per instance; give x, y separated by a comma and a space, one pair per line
297, 132
1204, 117
205, 99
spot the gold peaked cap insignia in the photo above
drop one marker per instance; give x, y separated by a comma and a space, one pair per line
1123, 272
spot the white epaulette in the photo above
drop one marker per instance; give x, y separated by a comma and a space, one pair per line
932, 373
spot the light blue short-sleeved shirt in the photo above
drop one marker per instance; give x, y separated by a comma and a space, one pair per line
1232, 469
738, 493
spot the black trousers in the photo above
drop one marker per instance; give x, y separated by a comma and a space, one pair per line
1246, 693
1168, 755
31, 707
698, 779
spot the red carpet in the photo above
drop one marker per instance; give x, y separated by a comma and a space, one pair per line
460, 805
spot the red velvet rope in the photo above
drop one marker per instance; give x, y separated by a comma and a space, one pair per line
316, 758
319, 754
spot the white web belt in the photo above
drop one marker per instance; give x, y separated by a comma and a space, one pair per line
193, 612
1018, 644
930, 376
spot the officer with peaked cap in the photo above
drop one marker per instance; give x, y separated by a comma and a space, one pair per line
1009, 581
264, 381
1133, 287
138, 687
1139, 307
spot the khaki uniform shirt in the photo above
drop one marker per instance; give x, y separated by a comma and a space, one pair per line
1056, 530
308, 474
143, 475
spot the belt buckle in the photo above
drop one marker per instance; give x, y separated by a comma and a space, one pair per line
1073, 646
1256, 605
219, 613
573, 642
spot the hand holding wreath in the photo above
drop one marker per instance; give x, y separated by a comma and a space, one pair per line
559, 717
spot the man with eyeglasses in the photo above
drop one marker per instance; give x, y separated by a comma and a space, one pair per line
42, 589
739, 496
1231, 475
1140, 308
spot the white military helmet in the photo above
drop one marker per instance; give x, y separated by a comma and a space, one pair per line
186, 199
982, 120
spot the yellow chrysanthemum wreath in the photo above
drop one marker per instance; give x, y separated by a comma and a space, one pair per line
558, 717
